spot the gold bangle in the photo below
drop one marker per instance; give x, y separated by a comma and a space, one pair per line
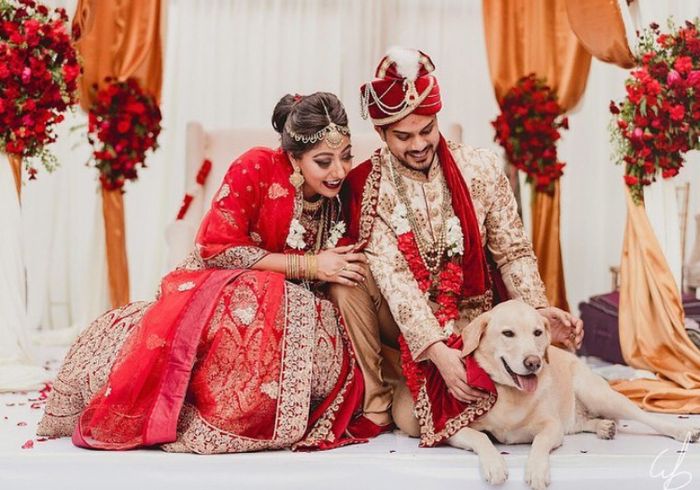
293, 266
312, 267
289, 269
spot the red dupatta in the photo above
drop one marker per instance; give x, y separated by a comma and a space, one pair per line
141, 402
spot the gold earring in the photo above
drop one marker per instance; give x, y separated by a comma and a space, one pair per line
296, 179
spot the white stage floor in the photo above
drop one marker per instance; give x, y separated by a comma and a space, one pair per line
390, 461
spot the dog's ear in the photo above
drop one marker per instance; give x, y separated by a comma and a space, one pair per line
472, 333
548, 333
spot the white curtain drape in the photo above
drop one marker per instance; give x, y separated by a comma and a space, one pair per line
227, 62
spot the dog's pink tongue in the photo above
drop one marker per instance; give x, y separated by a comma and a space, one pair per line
528, 383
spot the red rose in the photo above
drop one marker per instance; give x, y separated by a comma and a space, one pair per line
693, 79
677, 112
631, 180
683, 64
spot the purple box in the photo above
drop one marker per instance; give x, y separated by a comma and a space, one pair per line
600, 321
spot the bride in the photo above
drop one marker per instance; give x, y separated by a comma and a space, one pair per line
240, 352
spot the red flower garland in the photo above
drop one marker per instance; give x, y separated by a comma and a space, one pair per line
450, 279
528, 129
659, 119
126, 122
38, 78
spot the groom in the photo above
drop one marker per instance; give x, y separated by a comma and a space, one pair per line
439, 226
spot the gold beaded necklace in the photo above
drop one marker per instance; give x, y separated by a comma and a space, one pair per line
432, 249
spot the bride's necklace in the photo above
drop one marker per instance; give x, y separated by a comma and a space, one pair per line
312, 207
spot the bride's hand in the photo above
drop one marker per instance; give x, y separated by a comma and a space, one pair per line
342, 265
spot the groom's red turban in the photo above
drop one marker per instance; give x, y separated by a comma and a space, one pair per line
403, 86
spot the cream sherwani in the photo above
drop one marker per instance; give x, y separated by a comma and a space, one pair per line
502, 233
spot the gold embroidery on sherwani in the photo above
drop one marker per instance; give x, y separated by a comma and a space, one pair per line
370, 196
394, 278
501, 228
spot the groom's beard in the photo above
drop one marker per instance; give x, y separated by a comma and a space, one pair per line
418, 160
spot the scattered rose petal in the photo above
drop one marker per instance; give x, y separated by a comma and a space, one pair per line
42, 439
21, 424
28, 445
37, 406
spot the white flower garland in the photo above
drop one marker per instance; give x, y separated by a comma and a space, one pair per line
295, 238
336, 233
455, 239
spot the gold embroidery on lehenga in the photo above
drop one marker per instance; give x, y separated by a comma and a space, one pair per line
154, 342
186, 286
276, 191
86, 368
236, 258
271, 389
245, 315
223, 192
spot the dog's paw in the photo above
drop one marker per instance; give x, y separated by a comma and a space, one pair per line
537, 473
606, 429
694, 434
494, 469
691, 434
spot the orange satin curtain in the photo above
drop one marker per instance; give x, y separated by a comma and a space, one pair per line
119, 39
534, 36
16, 166
599, 27
652, 331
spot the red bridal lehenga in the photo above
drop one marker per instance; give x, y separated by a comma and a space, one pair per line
227, 359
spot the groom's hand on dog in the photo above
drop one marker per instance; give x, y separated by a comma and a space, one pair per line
450, 363
566, 329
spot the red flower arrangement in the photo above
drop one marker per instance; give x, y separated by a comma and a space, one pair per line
450, 279
528, 129
659, 119
38, 78
125, 123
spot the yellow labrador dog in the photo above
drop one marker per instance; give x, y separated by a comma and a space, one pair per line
543, 393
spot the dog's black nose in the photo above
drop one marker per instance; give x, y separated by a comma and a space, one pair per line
532, 363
